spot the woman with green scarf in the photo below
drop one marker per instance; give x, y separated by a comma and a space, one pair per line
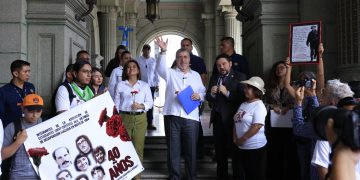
76, 92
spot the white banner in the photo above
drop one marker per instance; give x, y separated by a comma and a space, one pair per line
88, 140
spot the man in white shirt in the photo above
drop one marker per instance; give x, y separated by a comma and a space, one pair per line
116, 74
148, 74
181, 128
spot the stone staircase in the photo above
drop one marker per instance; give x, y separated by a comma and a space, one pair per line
155, 160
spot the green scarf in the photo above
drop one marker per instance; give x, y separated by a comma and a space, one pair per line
87, 93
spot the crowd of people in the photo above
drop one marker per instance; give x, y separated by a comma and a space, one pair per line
241, 111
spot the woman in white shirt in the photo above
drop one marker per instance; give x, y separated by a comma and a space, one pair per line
133, 98
249, 133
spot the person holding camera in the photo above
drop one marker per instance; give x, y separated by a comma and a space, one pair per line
305, 100
225, 93
249, 131
303, 131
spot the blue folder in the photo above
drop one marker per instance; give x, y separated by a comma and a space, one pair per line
185, 100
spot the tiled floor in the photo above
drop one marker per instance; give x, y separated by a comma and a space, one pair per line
159, 123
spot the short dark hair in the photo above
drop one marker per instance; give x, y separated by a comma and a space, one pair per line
120, 47
82, 176
86, 139
146, 46
257, 93
187, 39
124, 73
65, 170
222, 56
79, 64
78, 157
81, 52
17, 65
306, 75
123, 53
54, 156
69, 68
229, 39
97, 168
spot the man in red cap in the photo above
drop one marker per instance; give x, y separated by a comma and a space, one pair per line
15, 136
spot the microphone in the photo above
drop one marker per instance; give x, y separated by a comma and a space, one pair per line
184, 79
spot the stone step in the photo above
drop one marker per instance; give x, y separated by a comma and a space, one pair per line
155, 160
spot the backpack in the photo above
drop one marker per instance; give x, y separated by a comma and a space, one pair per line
53, 97
6, 164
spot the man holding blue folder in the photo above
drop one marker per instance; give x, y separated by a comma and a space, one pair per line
183, 88
225, 93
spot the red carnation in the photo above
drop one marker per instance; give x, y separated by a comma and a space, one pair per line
103, 117
124, 136
113, 124
133, 92
37, 152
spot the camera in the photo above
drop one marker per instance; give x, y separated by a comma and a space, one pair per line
346, 124
307, 83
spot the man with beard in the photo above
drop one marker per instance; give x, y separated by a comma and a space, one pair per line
62, 157
225, 93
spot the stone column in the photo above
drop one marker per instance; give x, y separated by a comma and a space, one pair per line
209, 39
131, 19
348, 65
95, 41
233, 27
107, 22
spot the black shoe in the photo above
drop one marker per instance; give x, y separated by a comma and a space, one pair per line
151, 127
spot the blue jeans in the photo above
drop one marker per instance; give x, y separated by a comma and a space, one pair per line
181, 135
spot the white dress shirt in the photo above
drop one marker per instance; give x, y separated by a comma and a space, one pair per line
176, 81
148, 72
115, 78
124, 99
62, 101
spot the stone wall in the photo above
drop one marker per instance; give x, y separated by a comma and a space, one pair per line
46, 34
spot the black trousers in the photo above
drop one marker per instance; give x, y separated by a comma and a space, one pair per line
149, 113
253, 162
224, 148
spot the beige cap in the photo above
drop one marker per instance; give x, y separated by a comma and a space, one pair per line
257, 82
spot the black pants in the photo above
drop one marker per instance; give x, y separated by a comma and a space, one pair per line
149, 113
224, 148
283, 162
253, 162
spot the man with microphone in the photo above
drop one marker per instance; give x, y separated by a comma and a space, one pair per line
225, 93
